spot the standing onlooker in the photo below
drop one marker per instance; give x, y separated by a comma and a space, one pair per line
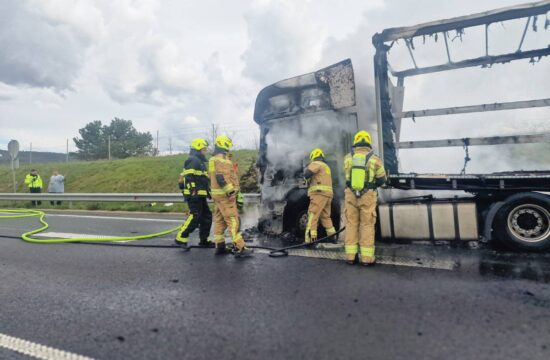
56, 185
34, 182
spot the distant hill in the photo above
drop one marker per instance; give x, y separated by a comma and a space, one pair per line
37, 157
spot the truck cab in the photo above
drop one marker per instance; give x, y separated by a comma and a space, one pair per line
295, 116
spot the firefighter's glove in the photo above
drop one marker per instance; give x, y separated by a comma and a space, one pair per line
181, 186
240, 201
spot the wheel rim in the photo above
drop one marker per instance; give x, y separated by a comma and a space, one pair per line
529, 222
302, 221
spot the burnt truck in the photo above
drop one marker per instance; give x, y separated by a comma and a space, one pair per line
320, 110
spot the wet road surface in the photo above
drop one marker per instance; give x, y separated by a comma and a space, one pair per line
427, 302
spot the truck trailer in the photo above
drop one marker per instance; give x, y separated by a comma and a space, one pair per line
320, 110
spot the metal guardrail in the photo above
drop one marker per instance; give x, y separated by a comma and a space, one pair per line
109, 197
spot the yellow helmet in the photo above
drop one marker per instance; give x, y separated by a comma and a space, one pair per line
362, 138
224, 142
199, 144
316, 153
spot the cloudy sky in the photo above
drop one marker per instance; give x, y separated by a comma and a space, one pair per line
177, 66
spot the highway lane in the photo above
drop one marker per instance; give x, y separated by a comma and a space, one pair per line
141, 303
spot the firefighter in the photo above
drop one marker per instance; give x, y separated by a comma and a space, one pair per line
34, 182
195, 185
225, 193
319, 177
364, 173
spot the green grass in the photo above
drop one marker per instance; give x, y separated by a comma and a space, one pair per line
133, 175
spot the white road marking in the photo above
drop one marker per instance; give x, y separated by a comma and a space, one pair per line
56, 235
380, 259
320, 254
116, 218
37, 351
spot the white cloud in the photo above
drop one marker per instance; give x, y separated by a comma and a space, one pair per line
37, 51
180, 66
283, 40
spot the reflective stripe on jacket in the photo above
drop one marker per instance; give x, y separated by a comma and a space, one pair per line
33, 181
195, 175
321, 181
223, 178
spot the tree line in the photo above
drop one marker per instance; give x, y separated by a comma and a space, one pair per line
118, 140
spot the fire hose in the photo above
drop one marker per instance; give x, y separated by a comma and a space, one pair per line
112, 241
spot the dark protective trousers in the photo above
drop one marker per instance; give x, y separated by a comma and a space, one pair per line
36, 191
200, 217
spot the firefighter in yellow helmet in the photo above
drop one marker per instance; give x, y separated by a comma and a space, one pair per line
319, 178
364, 173
225, 192
195, 186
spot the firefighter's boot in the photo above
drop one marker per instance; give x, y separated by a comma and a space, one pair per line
354, 261
205, 243
182, 243
243, 253
221, 249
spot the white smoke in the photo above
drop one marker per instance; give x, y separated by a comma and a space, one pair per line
290, 142
510, 82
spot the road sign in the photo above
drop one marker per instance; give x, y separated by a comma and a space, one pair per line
13, 149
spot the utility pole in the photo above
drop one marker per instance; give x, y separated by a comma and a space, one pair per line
109, 147
170, 144
67, 153
158, 152
13, 149
214, 133
30, 154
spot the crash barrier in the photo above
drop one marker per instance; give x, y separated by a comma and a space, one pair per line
110, 197
27, 236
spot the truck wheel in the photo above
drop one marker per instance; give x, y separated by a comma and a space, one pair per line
301, 222
297, 219
523, 222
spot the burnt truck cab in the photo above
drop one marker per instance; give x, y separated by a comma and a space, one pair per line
295, 116
319, 110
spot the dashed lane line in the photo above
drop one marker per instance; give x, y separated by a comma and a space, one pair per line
116, 218
37, 351
417, 262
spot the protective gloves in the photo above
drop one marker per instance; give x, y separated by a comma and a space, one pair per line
240, 201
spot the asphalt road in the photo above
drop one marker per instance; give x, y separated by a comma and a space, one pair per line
141, 303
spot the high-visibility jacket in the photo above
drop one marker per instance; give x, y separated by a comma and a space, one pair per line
320, 178
195, 175
223, 177
375, 174
33, 181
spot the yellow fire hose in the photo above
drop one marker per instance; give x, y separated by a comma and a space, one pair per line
40, 214
274, 252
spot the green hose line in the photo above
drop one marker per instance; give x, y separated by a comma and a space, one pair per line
31, 213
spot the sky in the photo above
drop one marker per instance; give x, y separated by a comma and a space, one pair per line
179, 66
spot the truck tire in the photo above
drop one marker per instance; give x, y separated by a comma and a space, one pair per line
296, 219
523, 222
300, 221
